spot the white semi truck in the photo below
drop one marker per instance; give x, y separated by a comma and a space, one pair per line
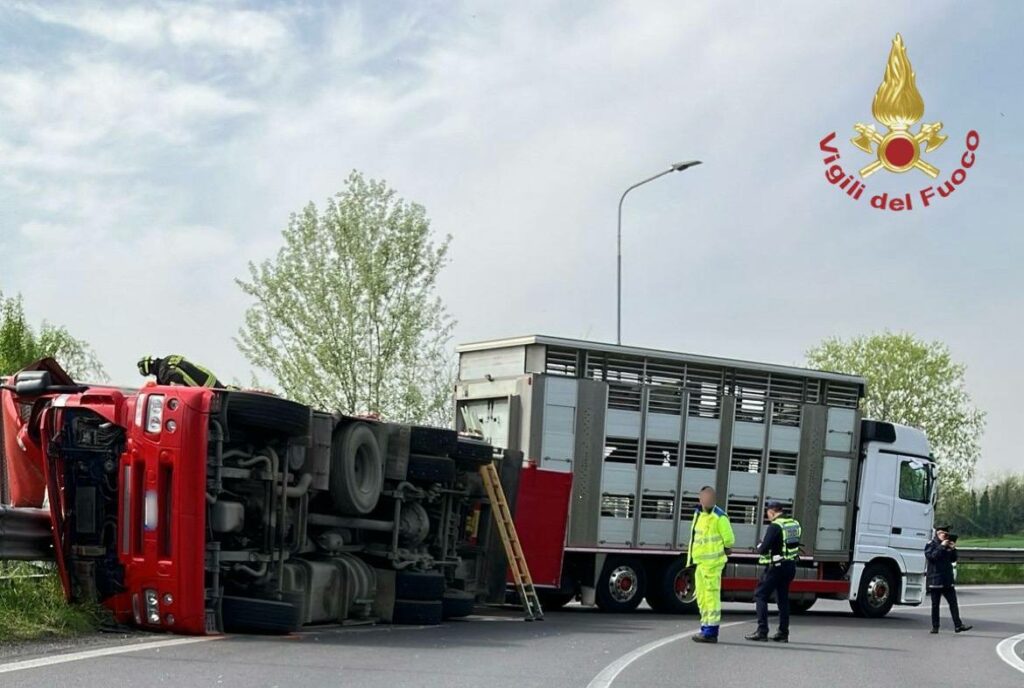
617, 441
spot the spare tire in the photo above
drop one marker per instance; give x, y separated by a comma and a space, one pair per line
457, 604
431, 469
419, 585
357, 469
417, 613
266, 412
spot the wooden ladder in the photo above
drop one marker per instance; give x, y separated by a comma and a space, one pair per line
513, 551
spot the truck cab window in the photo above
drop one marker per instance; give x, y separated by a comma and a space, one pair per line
915, 482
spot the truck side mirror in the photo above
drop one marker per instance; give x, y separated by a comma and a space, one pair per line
32, 383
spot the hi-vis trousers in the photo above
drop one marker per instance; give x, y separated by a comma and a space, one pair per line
709, 595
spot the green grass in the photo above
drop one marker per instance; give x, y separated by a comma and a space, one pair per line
1004, 541
32, 608
991, 573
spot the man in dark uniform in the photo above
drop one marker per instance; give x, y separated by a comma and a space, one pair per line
941, 555
177, 370
779, 550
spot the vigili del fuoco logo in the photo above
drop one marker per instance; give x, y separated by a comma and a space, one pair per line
898, 148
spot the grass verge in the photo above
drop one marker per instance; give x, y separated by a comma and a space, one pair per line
32, 608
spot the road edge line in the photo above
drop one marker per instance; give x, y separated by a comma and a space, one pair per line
1005, 650
99, 652
607, 675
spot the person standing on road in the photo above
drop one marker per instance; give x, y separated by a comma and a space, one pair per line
941, 555
711, 541
779, 550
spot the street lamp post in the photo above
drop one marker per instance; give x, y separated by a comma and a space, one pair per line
678, 167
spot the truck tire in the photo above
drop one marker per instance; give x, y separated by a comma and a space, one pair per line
266, 412
801, 606
552, 600
668, 589
417, 613
251, 615
472, 453
431, 469
357, 470
419, 585
879, 586
621, 585
436, 441
457, 604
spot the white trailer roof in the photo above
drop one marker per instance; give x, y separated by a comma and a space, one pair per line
657, 353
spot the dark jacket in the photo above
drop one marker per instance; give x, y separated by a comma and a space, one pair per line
940, 564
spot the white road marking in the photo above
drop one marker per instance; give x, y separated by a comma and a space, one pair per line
926, 606
100, 652
612, 671
1008, 654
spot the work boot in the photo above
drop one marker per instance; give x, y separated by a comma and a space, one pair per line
935, 629
757, 637
780, 637
701, 638
962, 627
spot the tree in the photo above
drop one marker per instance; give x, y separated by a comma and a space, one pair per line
346, 317
916, 383
20, 344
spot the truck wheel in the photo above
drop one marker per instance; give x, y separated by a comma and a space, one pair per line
551, 600
457, 604
431, 469
473, 453
419, 585
250, 615
417, 613
855, 608
801, 606
878, 591
258, 411
427, 440
622, 584
669, 590
357, 470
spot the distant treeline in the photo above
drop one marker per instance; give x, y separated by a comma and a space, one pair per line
991, 511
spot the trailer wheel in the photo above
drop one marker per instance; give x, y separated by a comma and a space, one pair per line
251, 615
418, 585
258, 411
669, 591
878, 589
357, 470
431, 469
417, 613
623, 583
457, 604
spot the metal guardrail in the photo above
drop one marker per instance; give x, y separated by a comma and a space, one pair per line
990, 555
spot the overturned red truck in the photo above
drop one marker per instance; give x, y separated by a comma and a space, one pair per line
198, 510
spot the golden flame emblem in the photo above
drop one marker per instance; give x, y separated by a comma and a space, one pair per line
897, 106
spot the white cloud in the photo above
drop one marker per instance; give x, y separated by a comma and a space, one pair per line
179, 24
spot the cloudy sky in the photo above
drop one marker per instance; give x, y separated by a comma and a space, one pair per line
148, 152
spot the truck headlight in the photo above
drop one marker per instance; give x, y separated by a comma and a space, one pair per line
152, 606
154, 412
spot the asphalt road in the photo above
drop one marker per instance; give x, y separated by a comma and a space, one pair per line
576, 647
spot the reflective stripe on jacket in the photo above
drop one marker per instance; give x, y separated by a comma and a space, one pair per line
712, 535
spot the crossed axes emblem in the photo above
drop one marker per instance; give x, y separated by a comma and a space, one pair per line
928, 135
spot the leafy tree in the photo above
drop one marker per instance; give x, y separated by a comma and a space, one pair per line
346, 316
20, 344
916, 383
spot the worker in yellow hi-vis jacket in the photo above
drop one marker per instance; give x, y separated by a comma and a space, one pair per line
711, 541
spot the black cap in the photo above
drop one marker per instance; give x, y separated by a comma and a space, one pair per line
774, 505
945, 528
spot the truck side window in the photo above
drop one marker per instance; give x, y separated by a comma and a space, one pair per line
914, 482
